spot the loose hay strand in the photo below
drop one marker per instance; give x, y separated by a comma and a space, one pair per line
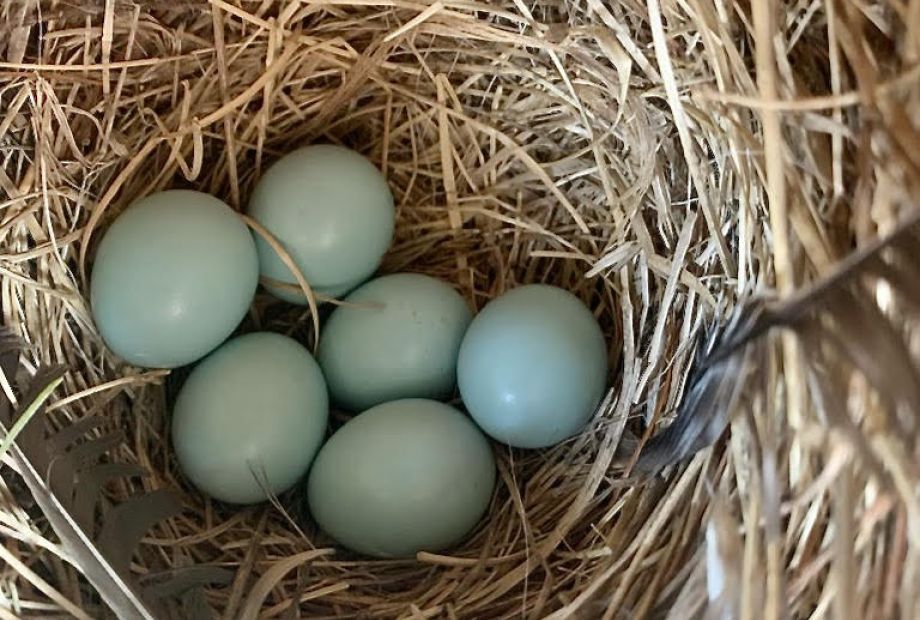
566, 142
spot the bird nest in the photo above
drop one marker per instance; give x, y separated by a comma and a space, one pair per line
662, 160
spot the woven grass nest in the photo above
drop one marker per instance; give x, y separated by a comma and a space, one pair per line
662, 159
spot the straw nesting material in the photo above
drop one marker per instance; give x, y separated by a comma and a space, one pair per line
659, 159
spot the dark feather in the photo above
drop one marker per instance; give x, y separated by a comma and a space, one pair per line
177, 582
65, 473
9, 358
861, 334
116, 592
32, 436
70, 434
89, 486
715, 383
129, 521
838, 315
64, 467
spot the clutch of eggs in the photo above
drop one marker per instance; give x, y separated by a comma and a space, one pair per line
176, 273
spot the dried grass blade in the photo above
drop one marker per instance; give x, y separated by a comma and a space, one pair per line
250, 609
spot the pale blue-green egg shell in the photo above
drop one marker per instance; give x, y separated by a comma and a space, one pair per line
398, 337
533, 366
333, 212
250, 418
173, 277
406, 476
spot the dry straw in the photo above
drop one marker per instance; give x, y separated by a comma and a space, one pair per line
660, 158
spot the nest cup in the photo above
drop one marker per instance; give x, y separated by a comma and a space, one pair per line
626, 151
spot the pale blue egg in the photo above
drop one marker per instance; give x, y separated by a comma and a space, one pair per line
173, 277
250, 418
397, 337
533, 366
406, 476
331, 210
